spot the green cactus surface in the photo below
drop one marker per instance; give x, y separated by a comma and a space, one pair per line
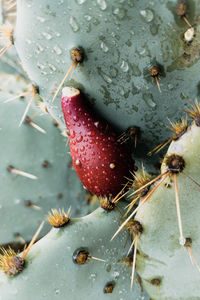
51, 271
136, 62
121, 41
43, 155
164, 265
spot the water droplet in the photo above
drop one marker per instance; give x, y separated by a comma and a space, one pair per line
147, 15
80, 1
111, 138
170, 86
97, 189
189, 34
93, 276
74, 24
48, 36
17, 201
78, 162
57, 291
79, 139
41, 19
40, 66
96, 124
57, 50
102, 4
82, 148
91, 133
104, 47
88, 17
75, 118
149, 100
116, 274
52, 67
39, 48
28, 41
112, 165
119, 12
121, 91
124, 66
72, 134
105, 77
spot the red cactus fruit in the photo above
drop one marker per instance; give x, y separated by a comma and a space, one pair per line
100, 161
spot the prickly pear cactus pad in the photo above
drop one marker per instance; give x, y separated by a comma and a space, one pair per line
169, 269
121, 40
24, 202
62, 265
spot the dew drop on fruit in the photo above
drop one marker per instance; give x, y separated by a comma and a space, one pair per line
97, 189
76, 119
91, 133
72, 134
78, 162
79, 139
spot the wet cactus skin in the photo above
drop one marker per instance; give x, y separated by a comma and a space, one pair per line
100, 161
134, 37
122, 40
